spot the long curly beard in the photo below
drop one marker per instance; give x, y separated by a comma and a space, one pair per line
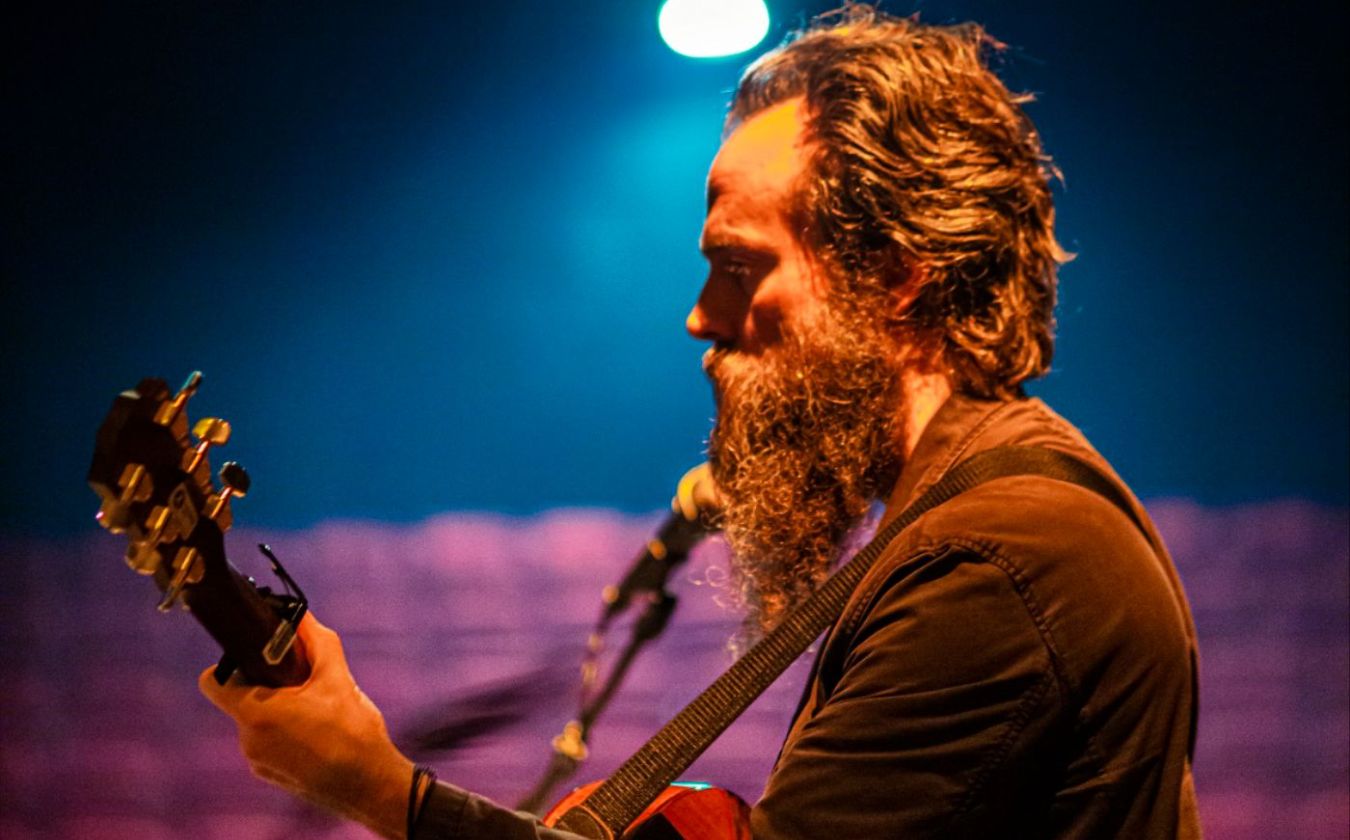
807, 436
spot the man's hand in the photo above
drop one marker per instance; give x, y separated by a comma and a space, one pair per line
324, 740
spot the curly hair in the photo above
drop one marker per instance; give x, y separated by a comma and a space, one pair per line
923, 169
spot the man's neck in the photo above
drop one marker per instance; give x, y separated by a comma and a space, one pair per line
924, 395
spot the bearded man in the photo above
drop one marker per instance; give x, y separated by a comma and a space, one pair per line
1021, 660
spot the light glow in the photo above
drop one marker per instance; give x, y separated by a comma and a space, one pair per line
713, 28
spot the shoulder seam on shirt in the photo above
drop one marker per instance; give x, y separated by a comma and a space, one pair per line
866, 598
1054, 675
1027, 595
1070, 689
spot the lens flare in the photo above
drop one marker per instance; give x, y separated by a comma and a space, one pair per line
713, 28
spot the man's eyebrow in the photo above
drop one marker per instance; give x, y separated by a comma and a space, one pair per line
720, 243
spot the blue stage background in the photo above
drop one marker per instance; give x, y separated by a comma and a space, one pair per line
439, 259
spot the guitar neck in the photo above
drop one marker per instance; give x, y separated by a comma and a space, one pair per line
244, 621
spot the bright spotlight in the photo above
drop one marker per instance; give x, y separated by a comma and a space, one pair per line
713, 28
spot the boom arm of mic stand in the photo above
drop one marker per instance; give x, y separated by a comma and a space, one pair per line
569, 749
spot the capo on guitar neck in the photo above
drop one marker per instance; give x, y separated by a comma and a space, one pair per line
290, 607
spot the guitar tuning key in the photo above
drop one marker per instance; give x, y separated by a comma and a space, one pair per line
143, 557
135, 483
572, 742
212, 430
209, 431
234, 483
142, 552
113, 515
234, 476
170, 411
187, 568
219, 512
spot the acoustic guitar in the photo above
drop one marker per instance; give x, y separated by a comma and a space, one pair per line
152, 473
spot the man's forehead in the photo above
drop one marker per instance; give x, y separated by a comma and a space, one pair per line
764, 154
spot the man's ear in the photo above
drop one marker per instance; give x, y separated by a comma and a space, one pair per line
905, 282
920, 345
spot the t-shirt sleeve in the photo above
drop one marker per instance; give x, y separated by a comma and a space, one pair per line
928, 730
452, 813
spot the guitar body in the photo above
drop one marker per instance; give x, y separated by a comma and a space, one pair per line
680, 812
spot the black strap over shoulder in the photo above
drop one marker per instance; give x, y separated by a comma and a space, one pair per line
617, 802
1009, 461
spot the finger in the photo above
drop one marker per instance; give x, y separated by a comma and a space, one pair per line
312, 629
322, 647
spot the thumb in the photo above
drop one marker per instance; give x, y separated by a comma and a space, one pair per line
223, 697
320, 645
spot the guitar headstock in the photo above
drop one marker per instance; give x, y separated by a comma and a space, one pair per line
153, 476
155, 484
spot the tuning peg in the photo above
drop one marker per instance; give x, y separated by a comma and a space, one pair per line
143, 557
210, 431
236, 483
169, 412
143, 551
187, 568
135, 483
233, 476
113, 515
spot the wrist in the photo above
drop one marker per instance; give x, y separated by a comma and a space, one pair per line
423, 780
383, 805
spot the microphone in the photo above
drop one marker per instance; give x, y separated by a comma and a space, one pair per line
693, 516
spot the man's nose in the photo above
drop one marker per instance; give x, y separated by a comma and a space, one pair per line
710, 319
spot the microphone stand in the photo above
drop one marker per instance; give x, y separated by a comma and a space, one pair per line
569, 748
692, 518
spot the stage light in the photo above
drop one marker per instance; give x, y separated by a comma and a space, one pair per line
713, 28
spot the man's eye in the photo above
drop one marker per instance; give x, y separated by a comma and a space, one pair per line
739, 271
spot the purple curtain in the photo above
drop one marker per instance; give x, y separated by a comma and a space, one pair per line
478, 621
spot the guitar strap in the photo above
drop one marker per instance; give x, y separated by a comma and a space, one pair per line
621, 799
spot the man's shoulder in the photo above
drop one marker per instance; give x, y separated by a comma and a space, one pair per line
1031, 422
1029, 515
1090, 580
966, 426
1070, 555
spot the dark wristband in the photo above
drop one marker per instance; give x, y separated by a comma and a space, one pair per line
423, 778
